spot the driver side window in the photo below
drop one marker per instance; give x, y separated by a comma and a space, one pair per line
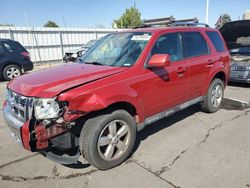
170, 44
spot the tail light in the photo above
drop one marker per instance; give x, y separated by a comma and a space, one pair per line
26, 54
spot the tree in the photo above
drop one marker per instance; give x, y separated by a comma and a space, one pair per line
50, 24
224, 18
131, 18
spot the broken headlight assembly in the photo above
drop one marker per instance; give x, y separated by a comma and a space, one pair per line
46, 108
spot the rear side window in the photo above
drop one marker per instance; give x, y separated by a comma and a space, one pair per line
13, 46
9, 46
216, 40
196, 45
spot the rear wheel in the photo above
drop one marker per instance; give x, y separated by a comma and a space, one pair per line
11, 71
213, 99
107, 140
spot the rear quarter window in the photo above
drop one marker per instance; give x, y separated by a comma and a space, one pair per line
19, 46
195, 43
216, 40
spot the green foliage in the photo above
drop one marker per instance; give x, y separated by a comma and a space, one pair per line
50, 24
222, 20
131, 18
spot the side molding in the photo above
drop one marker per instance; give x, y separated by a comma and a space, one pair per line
168, 112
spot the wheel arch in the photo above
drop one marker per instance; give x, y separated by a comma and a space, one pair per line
10, 63
123, 105
219, 74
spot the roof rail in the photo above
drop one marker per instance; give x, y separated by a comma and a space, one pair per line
188, 24
166, 21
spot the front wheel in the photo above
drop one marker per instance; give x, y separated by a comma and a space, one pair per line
213, 99
107, 140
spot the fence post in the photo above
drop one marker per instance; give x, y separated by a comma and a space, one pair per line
61, 44
36, 47
11, 34
96, 34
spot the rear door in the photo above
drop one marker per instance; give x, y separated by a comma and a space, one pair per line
166, 87
200, 62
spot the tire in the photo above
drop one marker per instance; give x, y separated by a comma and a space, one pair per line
107, 140
213, 99
11, 71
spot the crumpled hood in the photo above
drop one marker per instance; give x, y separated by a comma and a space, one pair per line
240, 60
236, 34
50, 82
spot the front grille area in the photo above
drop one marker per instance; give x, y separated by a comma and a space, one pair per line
238, 68
21, 106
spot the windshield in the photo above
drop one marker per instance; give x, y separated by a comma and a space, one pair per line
117, 49
242, 50
89, 44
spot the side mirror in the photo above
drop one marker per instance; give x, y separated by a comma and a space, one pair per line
159, 60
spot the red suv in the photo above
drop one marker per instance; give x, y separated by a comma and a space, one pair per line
129, 79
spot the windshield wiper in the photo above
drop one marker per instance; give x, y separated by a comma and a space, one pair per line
93, 62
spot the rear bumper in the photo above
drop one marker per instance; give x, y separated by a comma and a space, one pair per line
27, 65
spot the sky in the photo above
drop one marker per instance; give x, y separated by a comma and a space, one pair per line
81, 13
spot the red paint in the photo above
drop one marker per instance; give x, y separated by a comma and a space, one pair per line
44, 134
26, 135
91, 88
41, 137
50, 82
72, 115
159, 60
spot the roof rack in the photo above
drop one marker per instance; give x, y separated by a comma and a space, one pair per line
188, 24
168, 22
159, 21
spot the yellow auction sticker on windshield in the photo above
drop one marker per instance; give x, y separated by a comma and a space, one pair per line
144, 37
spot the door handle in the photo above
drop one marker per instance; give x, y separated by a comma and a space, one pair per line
210, 63
181, 70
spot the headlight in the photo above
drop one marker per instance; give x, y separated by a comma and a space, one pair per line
46, 108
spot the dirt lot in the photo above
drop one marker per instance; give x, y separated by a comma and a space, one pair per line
189, 149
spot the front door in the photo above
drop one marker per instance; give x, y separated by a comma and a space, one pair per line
166, 87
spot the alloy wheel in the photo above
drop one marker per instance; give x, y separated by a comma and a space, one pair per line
114, 140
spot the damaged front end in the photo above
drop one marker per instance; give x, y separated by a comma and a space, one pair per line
240, 68
43, 125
